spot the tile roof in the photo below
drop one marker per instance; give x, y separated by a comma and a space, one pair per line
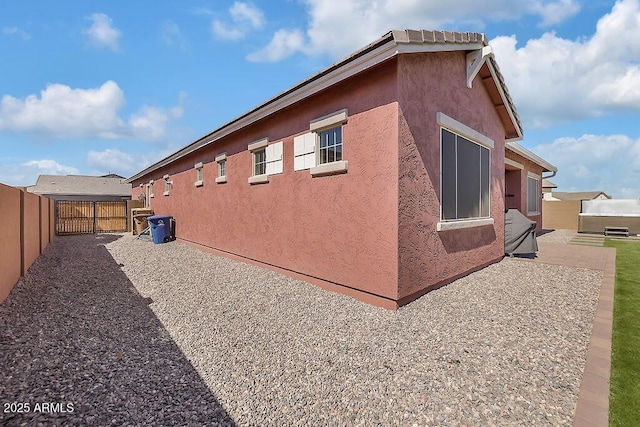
578, 195
81, 185
389, 45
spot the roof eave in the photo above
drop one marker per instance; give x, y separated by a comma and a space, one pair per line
529, 155
390, 45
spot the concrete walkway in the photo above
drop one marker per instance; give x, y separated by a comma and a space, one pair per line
593, 402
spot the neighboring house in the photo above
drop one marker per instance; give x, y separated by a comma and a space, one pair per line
524, 180
381, 176
547, 188
80, 187
578, 195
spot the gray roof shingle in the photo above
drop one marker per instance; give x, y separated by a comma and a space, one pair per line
81, 185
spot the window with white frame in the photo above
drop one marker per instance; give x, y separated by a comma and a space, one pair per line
260, 161
533, 194
221, 160
330, 149
199, 174
151, 190
321, 150
267, 160
465, 175
167, 185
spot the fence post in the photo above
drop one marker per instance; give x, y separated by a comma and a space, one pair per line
22, 233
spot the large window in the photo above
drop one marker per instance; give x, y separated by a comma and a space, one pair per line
465, 178
330, 145
533, 195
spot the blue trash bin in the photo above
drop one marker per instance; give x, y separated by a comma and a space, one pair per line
160, 228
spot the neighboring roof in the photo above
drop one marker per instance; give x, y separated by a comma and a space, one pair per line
578, 195
548, 184
391, 44
529, 155
81, 185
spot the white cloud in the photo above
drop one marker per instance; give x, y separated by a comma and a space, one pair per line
283, 44
338, 27
609, 163
102, 33
111, 160
245, 17
554, 79
63, 112
555, 12
172, 35
225, 31
245, 12
50, 167
11, 31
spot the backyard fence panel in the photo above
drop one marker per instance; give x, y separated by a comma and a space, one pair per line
30, 230
83, 217
52, 218
44, 223
560, 214
111, 217
10, 248
74, 217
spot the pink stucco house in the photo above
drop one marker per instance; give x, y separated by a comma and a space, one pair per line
381, 176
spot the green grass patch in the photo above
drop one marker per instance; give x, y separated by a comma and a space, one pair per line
624, 397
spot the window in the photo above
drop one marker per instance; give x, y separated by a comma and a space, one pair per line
221, 159
199, 174
533, 194
260, 162
330, 145
267, 160
151, 192
465, 178
321, 150
167, 185
465, 173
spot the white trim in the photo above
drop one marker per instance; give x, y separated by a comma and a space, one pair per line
256, 145
475, 61
220, 157
329, 121
533, 175
258, 179
330, 168
198, 165
198, 183
340, 71
513, 163
523, 152
166, 176
465, 223
463, 130
221, 179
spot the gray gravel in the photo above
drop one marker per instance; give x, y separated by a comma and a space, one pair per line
503, 346
557, 236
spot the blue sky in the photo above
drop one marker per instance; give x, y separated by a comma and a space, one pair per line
112, 86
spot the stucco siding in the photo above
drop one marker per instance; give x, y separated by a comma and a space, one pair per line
341, 228
428, 84
520, 197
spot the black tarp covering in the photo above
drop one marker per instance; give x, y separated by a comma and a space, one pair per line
519, 233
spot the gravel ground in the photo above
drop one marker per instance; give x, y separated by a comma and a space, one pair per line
557, 236
194, 339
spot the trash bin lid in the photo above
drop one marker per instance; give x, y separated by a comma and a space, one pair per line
156, 218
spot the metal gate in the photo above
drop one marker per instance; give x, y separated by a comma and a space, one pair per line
78, 217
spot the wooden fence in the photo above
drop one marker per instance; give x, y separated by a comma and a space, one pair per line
79, 217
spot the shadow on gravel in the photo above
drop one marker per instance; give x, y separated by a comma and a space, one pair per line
80, 346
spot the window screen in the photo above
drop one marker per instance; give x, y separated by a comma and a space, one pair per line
465, 178
533, 195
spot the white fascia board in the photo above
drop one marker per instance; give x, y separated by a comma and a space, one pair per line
342, 72
513, 163
521, 151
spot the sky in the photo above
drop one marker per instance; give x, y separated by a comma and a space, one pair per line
112, 86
